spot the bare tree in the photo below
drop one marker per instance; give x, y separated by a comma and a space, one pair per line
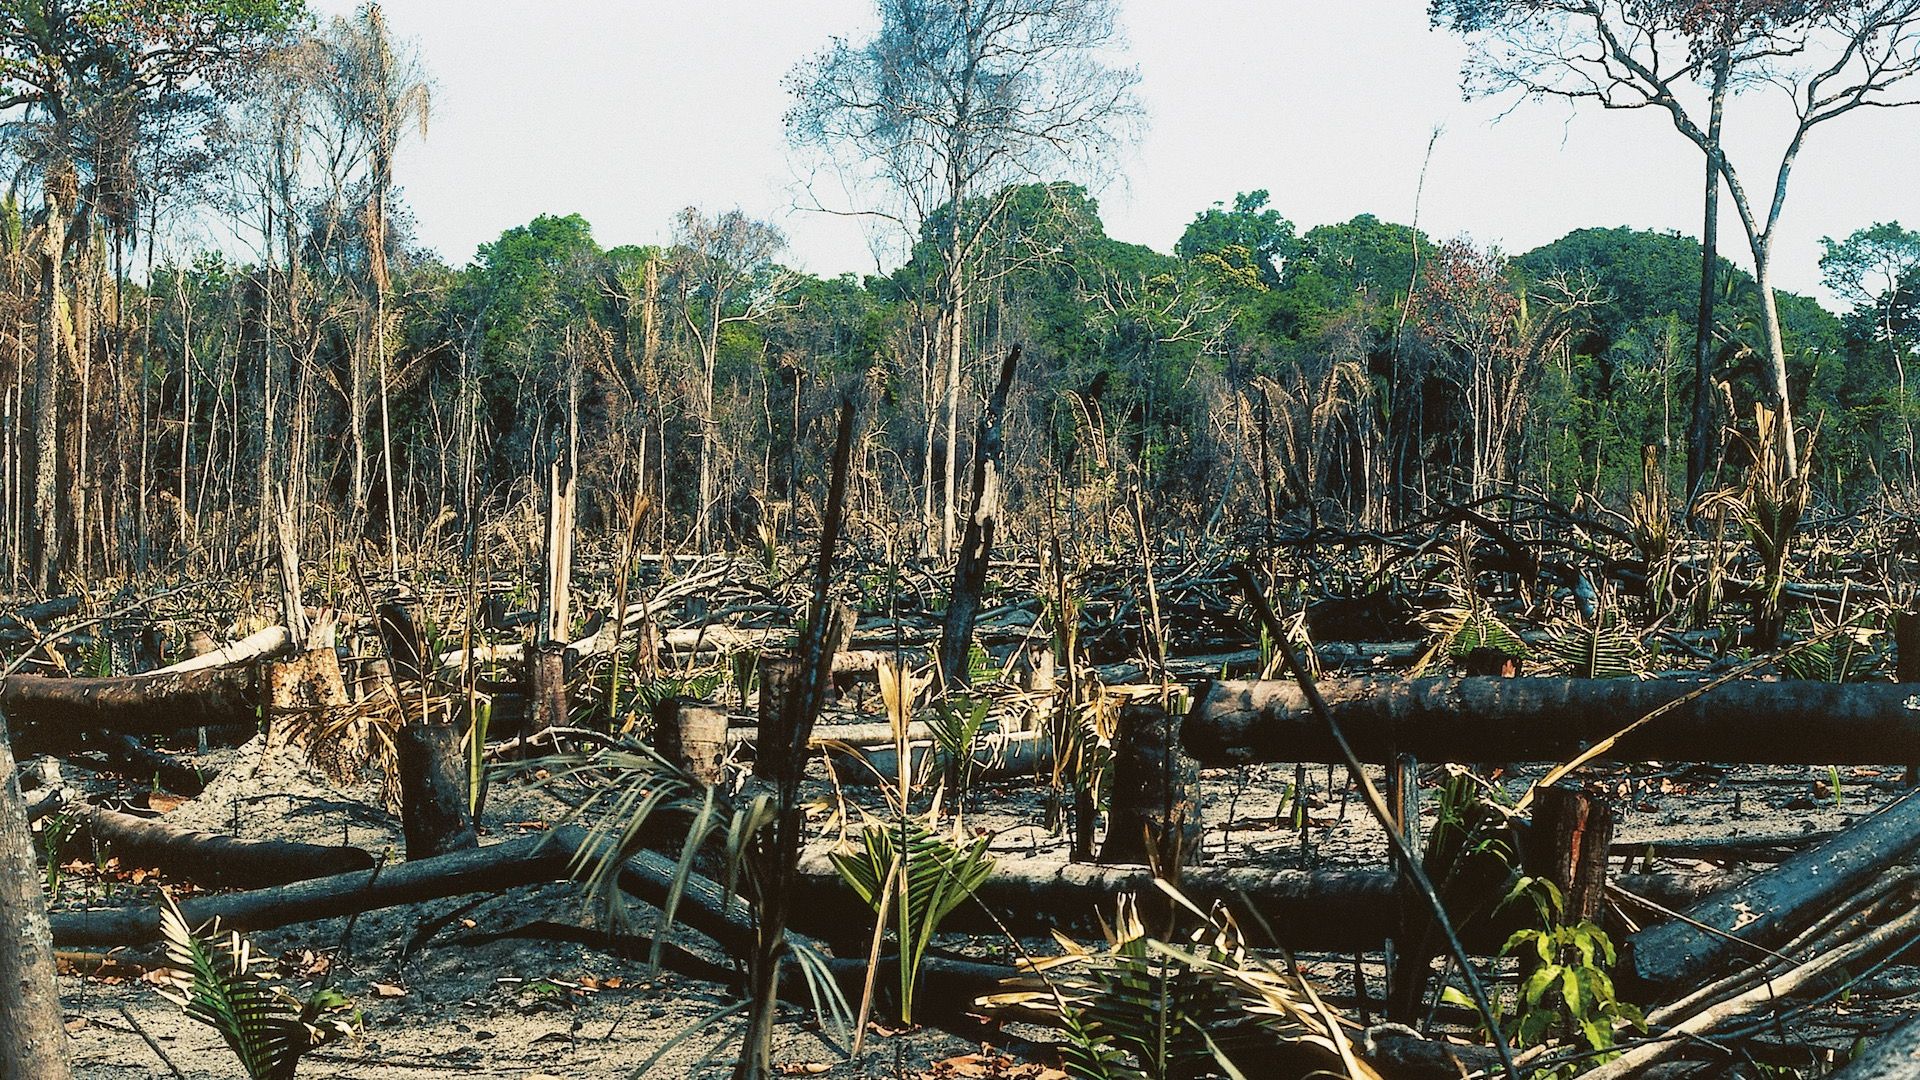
1828, 57
951, 99
379, 90
724, 275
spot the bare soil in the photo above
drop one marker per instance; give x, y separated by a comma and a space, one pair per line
440, 993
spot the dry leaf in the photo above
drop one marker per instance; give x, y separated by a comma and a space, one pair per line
388, 990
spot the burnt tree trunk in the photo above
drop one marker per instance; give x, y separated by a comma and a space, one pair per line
692, 736
1906, 648
33, 1034
48, 709
1488, 720
1768, 908
213, 859
976, 546
547, 686
1155, 813
434, 807
1567, 845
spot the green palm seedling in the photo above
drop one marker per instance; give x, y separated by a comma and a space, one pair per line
957, 725
921, 875
268, 1029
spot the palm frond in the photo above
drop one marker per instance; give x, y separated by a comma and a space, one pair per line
267, 1029
1596, 651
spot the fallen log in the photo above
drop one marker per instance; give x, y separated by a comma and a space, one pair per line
207, 858
490, 869
153, 704
1332, 910
133, 759
1759, 913
259, 645
1893, 1056
1015, 753
1495, 720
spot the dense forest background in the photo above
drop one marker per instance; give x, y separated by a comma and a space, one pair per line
160, 412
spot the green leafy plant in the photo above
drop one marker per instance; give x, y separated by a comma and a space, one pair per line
922, 876
60, 828
624, 792
268, 1029
1568, 989
1770, 507
957, 724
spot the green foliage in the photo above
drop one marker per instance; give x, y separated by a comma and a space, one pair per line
903, 865
957, 724
268, 1029
1568, 988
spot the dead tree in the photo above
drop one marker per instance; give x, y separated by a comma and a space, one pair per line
976, 548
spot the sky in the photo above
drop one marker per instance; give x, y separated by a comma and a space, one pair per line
626, 111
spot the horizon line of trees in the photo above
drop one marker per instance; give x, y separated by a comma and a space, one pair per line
160, 412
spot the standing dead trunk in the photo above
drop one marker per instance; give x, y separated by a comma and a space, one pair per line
1155, 814
1568, 846
976, 550
1700, 431
45, 537
693, 736
33, 1035
434, 807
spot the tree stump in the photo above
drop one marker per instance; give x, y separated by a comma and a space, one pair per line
1155, 812
778, 675
301, 692
693, 736
1567, 845
399, 624
547, 686
435, 810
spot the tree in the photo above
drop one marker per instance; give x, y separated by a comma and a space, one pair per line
1877, 270
725, 276
75, 77
1831, 56
952, 98
1251, 226
378, 90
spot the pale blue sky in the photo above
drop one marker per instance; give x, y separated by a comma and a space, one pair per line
627, 110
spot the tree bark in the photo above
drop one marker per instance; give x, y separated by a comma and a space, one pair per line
976, 550
150, 704
1568, 845
1700, 435
693, 736
33, 1034
1764, 910
1893, 1056
1155, 813
434, 808
1489, 720
1331, 910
